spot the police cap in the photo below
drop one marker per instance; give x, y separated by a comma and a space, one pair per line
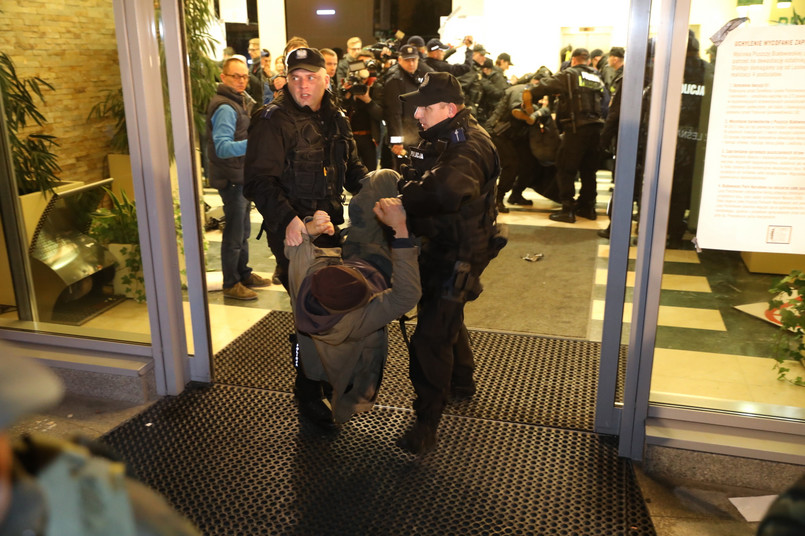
436, 87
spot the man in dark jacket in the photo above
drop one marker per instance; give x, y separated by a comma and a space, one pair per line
300, 157
579, 114
449, 197
228, 122
436, 51
399, 117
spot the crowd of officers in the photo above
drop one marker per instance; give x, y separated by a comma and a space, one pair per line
368, 81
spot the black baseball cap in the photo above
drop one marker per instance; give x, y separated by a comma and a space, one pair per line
480, 48
435, 44
308, 59
416, 41
436, 87
505, 57
408, 51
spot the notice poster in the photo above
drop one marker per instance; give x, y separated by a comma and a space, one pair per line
753, 191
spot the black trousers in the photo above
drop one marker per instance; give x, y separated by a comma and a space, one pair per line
440, 353
578, 153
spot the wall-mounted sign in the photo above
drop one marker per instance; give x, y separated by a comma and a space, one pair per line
753, 192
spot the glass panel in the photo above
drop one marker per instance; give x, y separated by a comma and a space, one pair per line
715, 345
82, 284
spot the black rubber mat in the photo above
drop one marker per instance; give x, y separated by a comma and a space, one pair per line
520, 378
237, 461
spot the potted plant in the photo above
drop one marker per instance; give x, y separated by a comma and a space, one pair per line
116, 228
35, 164
788, 306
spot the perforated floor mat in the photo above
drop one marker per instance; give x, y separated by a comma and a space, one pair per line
520, 378
238, 462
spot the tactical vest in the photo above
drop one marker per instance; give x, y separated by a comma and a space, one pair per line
316, 165
222, 171
583, 103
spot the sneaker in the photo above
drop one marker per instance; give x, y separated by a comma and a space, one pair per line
419, 439
239, 292
256, 281
519, 200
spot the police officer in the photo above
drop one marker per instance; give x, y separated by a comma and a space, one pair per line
697, 82
449, 197
580, 115
55, 486
300, 156
399, 118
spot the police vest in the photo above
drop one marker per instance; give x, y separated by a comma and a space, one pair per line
586, 91
316, 165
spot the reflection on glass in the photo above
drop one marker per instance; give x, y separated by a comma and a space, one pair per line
714, 349
72, 270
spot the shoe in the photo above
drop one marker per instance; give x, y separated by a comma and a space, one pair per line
519, 200
586, 212
318, 413
528, 104
565, 216
517, 113
239, 292
256, 281
604, 233
503, 209
460, 394
276, 279
419, 439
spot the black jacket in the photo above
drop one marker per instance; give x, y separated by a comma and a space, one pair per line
402, 127
299, 161
457, 166
582, 95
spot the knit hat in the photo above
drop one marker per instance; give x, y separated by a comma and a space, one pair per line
339, 288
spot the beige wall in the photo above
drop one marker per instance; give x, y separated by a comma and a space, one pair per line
70, 44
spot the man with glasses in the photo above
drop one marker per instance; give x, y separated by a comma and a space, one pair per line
228, 123
254, 56
354, 46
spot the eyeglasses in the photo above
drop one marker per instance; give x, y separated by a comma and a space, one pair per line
238, 76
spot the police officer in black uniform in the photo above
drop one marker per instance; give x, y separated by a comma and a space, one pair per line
403, 78
580, 115
300, 156
449, 196
697, 81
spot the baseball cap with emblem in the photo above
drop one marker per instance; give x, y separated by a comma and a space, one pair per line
436, 87
435, 44
408, 51
308, 59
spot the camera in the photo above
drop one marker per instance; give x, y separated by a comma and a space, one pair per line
361, 76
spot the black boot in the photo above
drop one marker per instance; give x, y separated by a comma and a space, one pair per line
308, 396
503, 209
566, 215
420, 438
604, 233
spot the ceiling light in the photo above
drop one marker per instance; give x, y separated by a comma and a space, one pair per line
325, 12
